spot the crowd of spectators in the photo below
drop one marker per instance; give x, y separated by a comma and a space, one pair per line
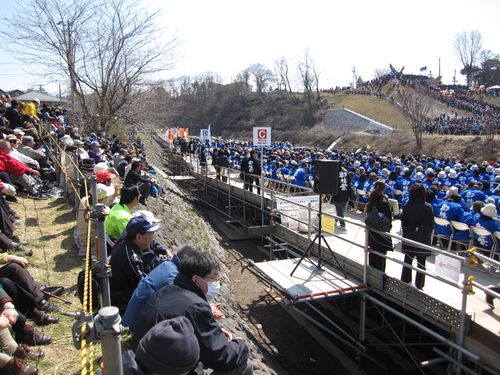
482, 117
124, 182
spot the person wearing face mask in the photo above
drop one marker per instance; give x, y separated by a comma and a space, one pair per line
197, 283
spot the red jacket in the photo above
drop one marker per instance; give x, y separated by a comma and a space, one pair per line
12, 166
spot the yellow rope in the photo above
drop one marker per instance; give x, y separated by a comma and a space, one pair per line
87, 349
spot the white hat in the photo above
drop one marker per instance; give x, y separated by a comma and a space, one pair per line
489, 210
447, 169
497, 171
442, 174
452, 191
453, 173
148, 215
419, 176
66, 139
489, 169
18, 131
429, 170
458, 166
100, 167
474, 167
36, 100
385, 172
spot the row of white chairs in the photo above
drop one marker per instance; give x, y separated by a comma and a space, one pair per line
454, 243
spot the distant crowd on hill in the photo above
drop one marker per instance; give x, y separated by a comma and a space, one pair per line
483, 117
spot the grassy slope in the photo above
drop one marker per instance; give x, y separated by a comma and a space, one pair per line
46, 226
370, 106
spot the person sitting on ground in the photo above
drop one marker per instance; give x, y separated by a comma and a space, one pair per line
135, 177
120, 214
24, 332
18, 173
30, 109
26, 148
14, 144
162, 275
169, 348
14, 268
131, 259
196, 283
81, 229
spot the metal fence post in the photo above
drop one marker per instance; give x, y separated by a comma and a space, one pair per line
362, 319
107, 324
103, 254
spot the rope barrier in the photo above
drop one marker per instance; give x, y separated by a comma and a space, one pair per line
87, 350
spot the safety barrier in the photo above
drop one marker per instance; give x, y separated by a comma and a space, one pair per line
105, 326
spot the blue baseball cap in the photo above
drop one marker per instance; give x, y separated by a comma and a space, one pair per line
140, 225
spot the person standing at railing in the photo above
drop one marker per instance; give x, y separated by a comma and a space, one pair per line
343, 194
379, 242
417, 222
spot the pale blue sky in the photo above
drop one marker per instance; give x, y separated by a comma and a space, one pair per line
225, 36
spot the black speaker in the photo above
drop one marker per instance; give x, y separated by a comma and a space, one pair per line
327, 176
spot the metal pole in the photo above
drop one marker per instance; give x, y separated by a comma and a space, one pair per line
103, 253
108, 328
463, 313
309, 222
77, 182
362, 319
320, 231
262, 196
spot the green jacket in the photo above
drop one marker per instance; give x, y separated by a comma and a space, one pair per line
117, 220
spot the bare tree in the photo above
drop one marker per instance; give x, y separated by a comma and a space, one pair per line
306, 68
468, 47
417, 109
380, 74
105, 48
282, 77
244, 77
262, 77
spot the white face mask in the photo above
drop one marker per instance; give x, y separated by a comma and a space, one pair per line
213, 290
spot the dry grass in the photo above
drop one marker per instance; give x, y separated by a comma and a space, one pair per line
46, 226
370, 106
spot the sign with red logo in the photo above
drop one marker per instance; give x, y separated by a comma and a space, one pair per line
262, 136
447, 267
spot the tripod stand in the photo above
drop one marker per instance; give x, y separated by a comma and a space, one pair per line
319, 236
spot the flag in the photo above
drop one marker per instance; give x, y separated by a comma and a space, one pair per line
209, 126
423, 69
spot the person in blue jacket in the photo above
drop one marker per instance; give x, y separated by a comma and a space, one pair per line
162, 275
300, 175
486, 221
449, 209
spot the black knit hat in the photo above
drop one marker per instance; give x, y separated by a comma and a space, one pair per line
87, 165
169, 348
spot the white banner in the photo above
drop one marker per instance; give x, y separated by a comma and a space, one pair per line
262, 136
289, 203
447, 267
205, 134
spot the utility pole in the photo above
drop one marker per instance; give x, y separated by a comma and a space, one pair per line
455, 78
353, 77
439, 73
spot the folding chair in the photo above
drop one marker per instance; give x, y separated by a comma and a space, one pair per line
481, 232
360, 195
459, 227
444, 223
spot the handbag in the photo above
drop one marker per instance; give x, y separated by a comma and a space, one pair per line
377, 221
